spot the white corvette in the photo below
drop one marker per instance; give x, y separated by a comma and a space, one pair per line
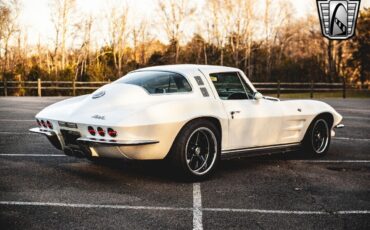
192, 115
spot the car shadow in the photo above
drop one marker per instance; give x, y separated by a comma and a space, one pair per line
153, 170
161, 171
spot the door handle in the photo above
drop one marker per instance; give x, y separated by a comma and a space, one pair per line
233, 113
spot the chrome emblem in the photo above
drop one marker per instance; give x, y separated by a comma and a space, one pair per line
338, 18
98, 94
99, 117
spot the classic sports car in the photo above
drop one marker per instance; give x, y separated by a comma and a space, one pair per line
193, 115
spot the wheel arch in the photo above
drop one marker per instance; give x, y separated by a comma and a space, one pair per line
325, 115
211, 119
328, 117
307, 141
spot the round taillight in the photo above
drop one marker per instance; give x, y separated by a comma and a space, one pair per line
50, 126
91, 130
38, 122
112, 132
101, 131
43, 123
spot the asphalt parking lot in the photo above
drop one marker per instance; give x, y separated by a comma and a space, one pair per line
40, 188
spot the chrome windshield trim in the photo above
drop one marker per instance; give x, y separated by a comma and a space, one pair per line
115, 142
271, 98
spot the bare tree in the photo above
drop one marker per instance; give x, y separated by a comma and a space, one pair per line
10, 11
274, 21
232, 20
142, 39
83, 30
220, 20
248, 36
117, 16
174, 14
4, 21
61, 15
215, 25
267, 25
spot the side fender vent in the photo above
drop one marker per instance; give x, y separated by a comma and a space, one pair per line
204, 92
199, 80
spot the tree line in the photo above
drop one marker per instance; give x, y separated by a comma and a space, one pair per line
268, 44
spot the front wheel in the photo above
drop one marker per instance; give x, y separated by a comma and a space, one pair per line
196, 150
317, 139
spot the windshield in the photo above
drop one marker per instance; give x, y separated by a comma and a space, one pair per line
157, 82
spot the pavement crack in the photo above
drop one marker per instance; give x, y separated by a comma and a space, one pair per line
301, 182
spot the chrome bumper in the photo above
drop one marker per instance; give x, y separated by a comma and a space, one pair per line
51, 135
90, 147
43, 131
339, 126
93, 141
90, 141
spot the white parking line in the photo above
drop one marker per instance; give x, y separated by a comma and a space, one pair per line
198, 225
31, 155
355, 117
266, 160
9, 120
312, 161
69, 205
353, 110
296, 212
17, 133
197, 206
330, 161
349, 212
350, 139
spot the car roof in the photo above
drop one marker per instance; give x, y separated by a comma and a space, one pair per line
189, 68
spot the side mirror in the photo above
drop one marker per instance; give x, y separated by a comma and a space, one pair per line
258, 96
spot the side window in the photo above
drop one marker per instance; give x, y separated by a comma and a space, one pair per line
231, 86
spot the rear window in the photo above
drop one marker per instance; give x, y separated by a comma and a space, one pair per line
157, 82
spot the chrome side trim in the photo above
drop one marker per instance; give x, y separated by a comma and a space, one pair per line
226, 154
261, 148
89, 141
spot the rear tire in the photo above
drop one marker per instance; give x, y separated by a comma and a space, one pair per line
196, 150
317, 140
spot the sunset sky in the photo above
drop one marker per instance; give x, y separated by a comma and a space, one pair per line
35, 16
